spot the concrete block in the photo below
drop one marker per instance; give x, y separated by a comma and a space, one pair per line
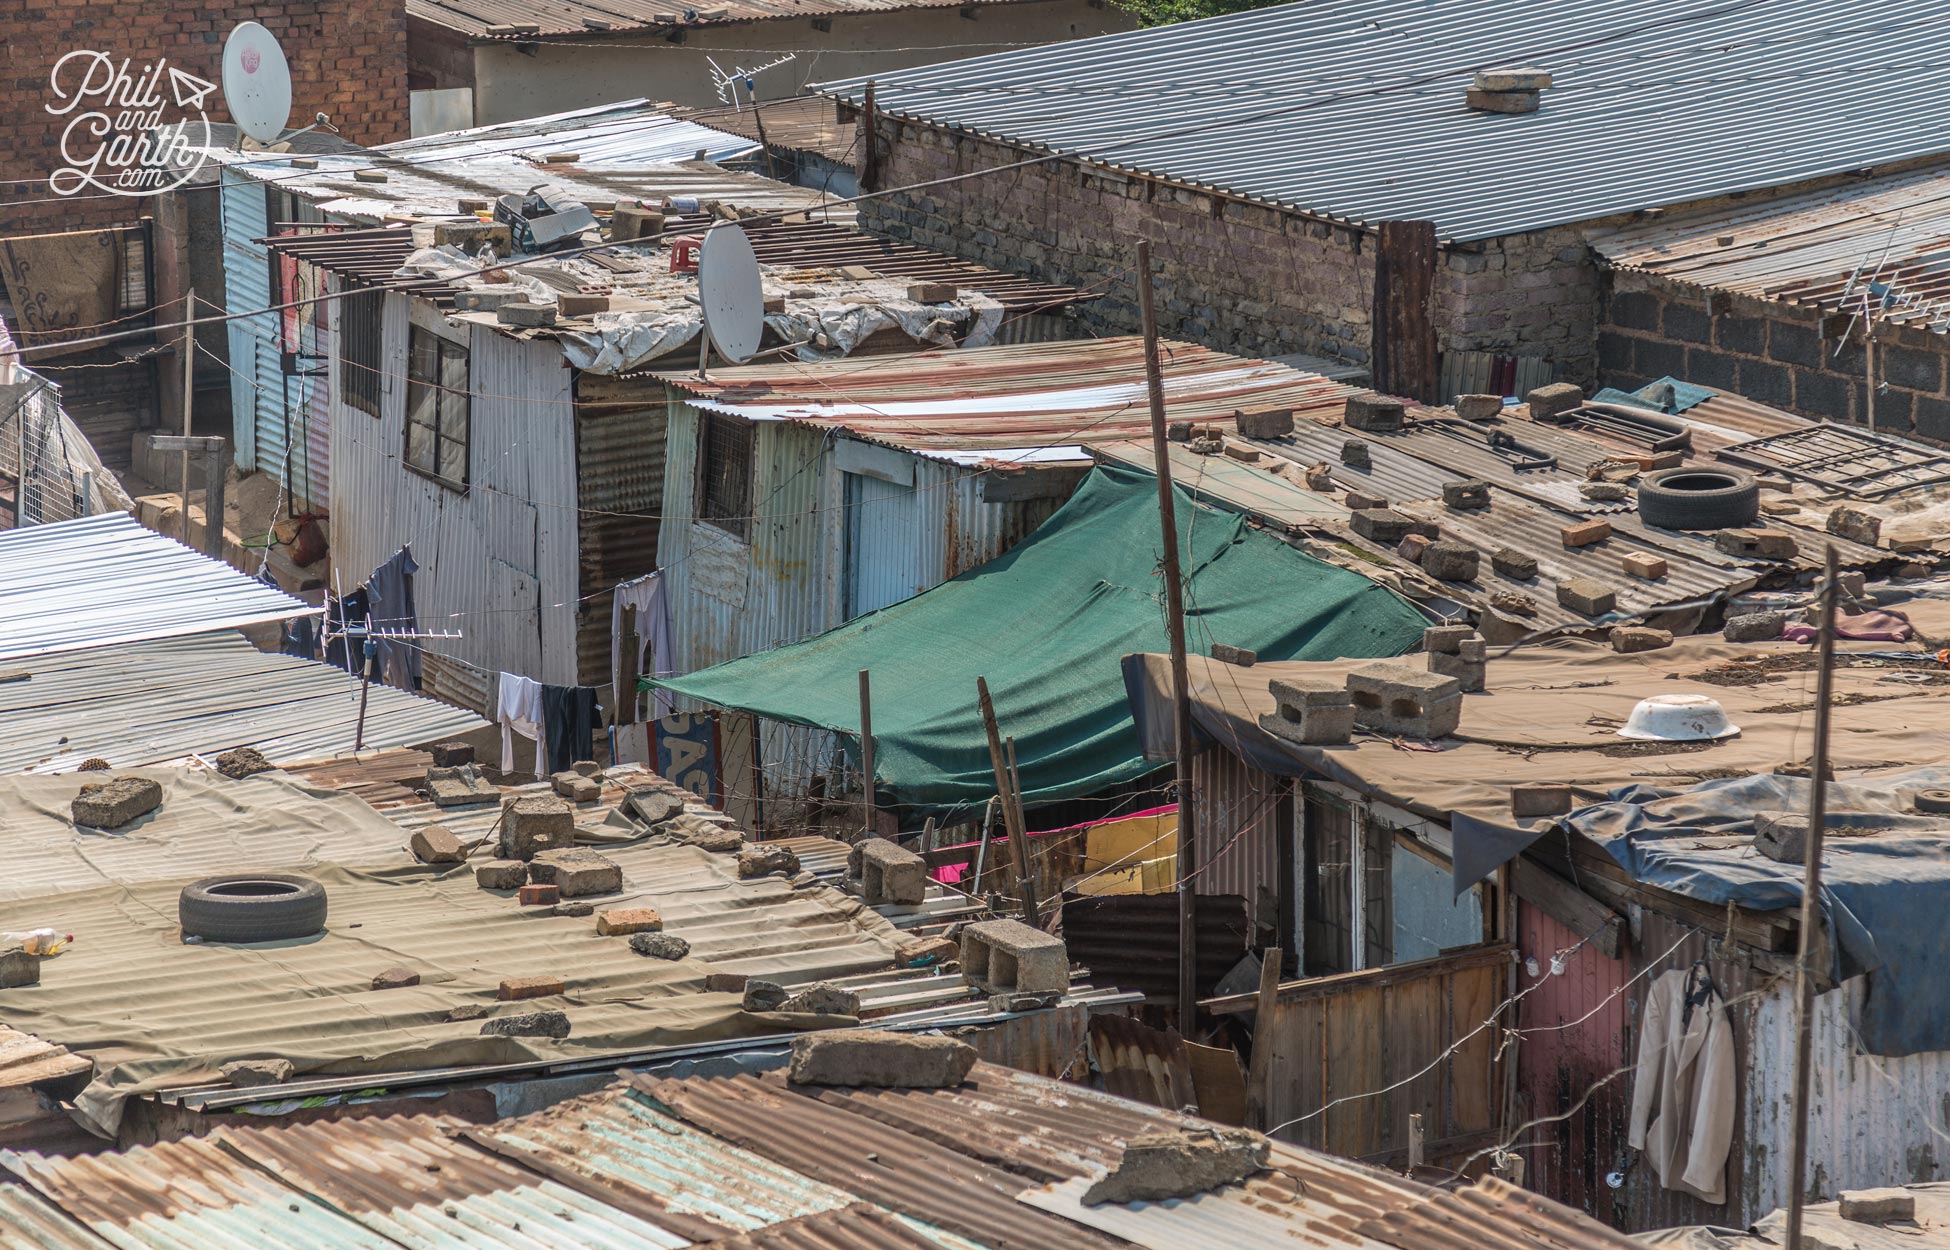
1757, 544
576, 788
1447, 639
1549, 401
653, 807
1243, 454
763, 860
550, 1024
587, 768
1413, 547
1513, 603
1157, 1167
1226, 653
1374, 413
1451, 561
1782, 836
725, 982
621, 920
1755, 627
1358, 501
501, 874
437, 844
1630, 639
1513, 563
1604, 492
1856, 525
1586, 596
1264, 422
1469, 673
1400, 701
1356, 455
1179, 432
484, 299
931, 292
890, 873
252, 1073
628, 224
459, 786
577, 871
525, 313
514, 989
452, 754
539, 895
1479, 407
1512, 79
243, 762
1647, 567
1466, 495
18, 968
879, 1059
1539, 800
764, 995
659, 945
472, 236
396, 979
578, 304
1007, 956
1585, 533
823, 1000
574, 911
112, 804
1381, 525
1311, 711
1501, 101
535, 823
927, 952
1878, 1206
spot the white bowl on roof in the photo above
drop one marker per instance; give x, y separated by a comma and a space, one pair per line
1678, 718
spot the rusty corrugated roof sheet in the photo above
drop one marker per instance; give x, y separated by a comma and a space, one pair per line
581, 18
1048, 398
802, 124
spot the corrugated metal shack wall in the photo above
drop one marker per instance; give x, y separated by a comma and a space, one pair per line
497, 563
1236, 820
1872, 1120
1580, 1030
620, 493
270, 411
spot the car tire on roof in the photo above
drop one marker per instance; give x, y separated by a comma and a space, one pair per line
1699, 499
252, 907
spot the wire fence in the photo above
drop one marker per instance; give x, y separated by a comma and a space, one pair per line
48, 470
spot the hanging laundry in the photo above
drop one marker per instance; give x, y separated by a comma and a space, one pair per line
390, 589
569, 719
1683, 1098
341, 615
646, 595
518, 708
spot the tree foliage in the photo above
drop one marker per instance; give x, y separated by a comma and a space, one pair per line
1165, 12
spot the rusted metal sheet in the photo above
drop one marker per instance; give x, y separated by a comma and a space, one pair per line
1404, 319
1238, 813
1053, 1043
1131, 940
1142, 1063
619, 503
859, 1227
29, 1222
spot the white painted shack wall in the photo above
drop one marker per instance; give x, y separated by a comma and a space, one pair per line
732, 598
497, 563
1872, 1120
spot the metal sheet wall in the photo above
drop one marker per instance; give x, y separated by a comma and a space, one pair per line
271, 412
497, 563
1236, 820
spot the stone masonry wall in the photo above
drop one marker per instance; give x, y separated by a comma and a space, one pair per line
1231, 275
1777, 354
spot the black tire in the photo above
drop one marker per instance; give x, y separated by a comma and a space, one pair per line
1699, 499
254, 907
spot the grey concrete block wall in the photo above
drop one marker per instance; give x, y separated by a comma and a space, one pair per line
1790, 357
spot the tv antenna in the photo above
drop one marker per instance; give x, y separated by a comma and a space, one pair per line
257, 86
725, 82
731, 295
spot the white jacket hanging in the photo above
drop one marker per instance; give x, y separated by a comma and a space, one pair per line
1683, 1102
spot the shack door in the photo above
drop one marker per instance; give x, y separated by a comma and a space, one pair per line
882, 551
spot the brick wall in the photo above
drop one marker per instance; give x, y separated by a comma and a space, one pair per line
1778, 354
1234, 276
348, 59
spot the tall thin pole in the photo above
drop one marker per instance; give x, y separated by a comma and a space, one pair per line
1011, 810
1175, 630
866, 751
189, 390
1804, 985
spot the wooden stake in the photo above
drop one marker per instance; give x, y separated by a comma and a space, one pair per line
189, 388
1416, 1142
1259, 1073
1011, 814
866, 753
1804, 984
1175, 629
870, 151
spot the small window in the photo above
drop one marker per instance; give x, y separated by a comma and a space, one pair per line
436, 408
133, 294
724, 473
359, 319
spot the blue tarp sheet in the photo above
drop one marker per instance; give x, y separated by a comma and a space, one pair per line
1885, 879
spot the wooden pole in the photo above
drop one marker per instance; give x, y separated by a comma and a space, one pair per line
1175, 630
1011, 814
1025, 868
1804, 985
1259, 1073
869, 150
189, 389
1417, 1142
758, 120
866, 752
216, 468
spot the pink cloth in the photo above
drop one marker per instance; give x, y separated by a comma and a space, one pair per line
1876, 625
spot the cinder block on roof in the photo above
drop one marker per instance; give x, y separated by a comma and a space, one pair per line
1009, 957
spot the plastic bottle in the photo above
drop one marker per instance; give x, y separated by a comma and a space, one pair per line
40, 941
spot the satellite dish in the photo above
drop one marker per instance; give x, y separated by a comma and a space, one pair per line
728, 288
256, 82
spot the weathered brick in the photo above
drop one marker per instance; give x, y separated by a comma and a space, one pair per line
620, 920
1688, 323
1586, 533
513, 989
1793, 344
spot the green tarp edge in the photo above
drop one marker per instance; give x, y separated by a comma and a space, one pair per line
1047, 624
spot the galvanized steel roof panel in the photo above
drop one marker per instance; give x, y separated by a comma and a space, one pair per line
1654, 102
100, 580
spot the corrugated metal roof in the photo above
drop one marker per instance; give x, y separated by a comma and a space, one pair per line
1045, 397
1260, 489
154, 702
588, 18
607, 136
100, 580
29, 1222
1354, 110
802, 124
1807, 248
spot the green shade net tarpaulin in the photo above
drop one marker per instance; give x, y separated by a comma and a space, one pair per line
1047, 624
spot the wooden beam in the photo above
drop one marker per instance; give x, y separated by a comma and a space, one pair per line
1568, 905
1323, 987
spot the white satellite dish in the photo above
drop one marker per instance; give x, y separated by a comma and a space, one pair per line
729, 289
256, 82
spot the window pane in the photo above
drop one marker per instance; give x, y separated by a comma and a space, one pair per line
419, 445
